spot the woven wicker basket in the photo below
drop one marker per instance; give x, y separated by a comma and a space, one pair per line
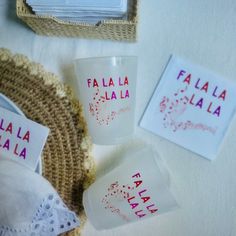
66, 159
108, 29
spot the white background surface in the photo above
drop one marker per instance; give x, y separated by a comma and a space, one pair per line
202, 31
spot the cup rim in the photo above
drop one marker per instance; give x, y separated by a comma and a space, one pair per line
101, 58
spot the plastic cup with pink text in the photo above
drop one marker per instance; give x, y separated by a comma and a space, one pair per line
107, 91
135, 190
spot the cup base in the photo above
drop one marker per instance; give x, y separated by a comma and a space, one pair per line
88, 211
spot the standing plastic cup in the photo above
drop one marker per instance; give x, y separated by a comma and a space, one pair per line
137, 189
107, 90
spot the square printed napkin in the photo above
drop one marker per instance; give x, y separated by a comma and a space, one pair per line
21, 139
191, 107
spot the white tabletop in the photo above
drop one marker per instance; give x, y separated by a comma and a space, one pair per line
202, 31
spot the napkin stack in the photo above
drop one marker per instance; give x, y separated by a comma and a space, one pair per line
89, 11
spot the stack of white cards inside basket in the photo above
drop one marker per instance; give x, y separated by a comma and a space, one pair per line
90, 11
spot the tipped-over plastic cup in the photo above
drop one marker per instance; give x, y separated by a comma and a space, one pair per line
135, 190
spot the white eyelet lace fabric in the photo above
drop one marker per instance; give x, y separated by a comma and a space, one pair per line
29, 205
51, 218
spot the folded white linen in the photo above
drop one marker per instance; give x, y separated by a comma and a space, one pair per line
29, 205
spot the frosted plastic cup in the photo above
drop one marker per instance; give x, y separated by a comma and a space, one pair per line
135, 190
107, 90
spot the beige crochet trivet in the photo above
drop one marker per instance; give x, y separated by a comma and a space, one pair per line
66, 159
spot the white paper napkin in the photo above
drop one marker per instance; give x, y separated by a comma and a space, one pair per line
89, 11
192, 107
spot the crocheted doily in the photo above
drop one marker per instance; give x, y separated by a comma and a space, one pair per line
66, 158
